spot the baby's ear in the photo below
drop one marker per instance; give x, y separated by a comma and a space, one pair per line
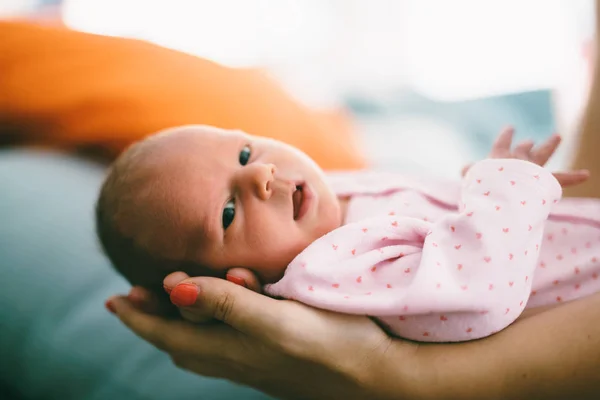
244, 277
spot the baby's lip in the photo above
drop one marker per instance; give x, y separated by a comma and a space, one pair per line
297, 199
301, 199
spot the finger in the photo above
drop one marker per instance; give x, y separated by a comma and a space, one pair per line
173, 279
150, 302
542, 154
572, 178
174, 336
465, 169
184, 296
244, 277
149, 327
242, 309
191, 315
522, 150
239, 276
502, 145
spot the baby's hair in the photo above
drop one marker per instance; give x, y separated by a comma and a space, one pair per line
123, 190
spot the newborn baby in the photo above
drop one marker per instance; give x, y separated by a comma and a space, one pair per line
430, 260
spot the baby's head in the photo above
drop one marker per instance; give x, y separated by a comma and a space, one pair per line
203, 200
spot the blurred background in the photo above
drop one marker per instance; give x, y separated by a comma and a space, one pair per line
428, 83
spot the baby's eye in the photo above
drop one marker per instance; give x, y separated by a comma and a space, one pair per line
228, 214
245, 155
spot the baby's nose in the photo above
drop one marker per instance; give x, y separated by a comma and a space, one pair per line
260, 176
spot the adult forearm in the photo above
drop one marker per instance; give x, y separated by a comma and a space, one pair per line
586, 153
552, 355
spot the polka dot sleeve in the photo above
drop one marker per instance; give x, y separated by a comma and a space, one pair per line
463, 277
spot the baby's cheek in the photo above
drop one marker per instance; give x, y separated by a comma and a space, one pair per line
328, 223
272, 261
217, 270
270, 275
329, 216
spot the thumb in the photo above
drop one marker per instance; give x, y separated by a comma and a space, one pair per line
187, 294
242, 309
182, 296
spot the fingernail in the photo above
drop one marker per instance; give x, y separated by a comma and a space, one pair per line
167, 289
184, 294
235, 279
110, 306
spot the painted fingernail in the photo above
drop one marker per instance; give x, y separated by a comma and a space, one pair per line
110, 306
184, 294
235, 279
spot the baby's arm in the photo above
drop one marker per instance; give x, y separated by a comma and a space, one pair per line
486, 254
462, 277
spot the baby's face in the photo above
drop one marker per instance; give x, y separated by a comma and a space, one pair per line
243, 201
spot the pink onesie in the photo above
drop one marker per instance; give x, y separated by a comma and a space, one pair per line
440, 262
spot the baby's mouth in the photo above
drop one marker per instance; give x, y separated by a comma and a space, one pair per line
297, 199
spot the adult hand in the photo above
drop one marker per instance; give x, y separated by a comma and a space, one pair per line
293, 351
152, 303
281, 347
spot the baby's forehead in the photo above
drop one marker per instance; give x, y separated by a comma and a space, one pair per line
183, 190
199, 132
181, 179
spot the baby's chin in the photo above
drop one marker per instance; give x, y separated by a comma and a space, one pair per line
271, 274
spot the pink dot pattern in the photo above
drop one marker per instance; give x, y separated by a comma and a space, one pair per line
455, 263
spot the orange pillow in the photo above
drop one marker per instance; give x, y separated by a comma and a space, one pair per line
75, 90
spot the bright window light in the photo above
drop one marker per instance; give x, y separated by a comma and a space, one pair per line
233, 32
